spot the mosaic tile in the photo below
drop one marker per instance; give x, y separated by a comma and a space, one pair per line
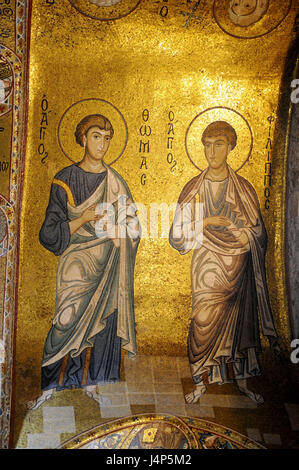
254, 434
200, 411
170, 376
172, 408
115, 399
58, 419
140, 387
118, 387
161, 387
142, 399
273, 439
227, 401
43, 441
171, 398
115, 411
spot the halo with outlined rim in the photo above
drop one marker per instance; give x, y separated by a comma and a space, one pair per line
77, 111
194, 146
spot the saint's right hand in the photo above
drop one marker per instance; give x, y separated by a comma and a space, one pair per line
89, 214
216, 220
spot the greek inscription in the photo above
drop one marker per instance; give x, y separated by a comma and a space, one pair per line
4, 166
42, 151
268, 164
44, 104
169, 158
145, 115
170, 128
143, 163
170, 140
144, 147
42, 133
164, 9
44, 119
145, 130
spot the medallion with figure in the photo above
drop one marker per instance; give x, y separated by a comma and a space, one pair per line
250, 19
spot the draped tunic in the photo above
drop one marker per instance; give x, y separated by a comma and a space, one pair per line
94, 312
228, 279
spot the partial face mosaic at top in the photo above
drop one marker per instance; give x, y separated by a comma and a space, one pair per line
105, 10
247, 12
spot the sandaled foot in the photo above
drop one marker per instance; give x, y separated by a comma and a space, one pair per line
194, 396
256, 397
35, 404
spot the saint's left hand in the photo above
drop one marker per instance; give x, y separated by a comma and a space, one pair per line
239, 234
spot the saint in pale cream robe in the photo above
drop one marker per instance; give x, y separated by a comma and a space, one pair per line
228, 279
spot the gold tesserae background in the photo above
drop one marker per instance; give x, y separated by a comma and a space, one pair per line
144, 61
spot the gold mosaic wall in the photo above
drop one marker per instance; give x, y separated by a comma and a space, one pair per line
160, 64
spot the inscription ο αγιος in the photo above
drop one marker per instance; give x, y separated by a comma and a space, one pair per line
163, 10
170, 141
43, 154
268, 165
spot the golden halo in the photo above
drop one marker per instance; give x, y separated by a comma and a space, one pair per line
94, 10
194, 147
77, 111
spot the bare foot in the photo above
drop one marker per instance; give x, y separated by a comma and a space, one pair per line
194, 396
256, 397
35, 404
